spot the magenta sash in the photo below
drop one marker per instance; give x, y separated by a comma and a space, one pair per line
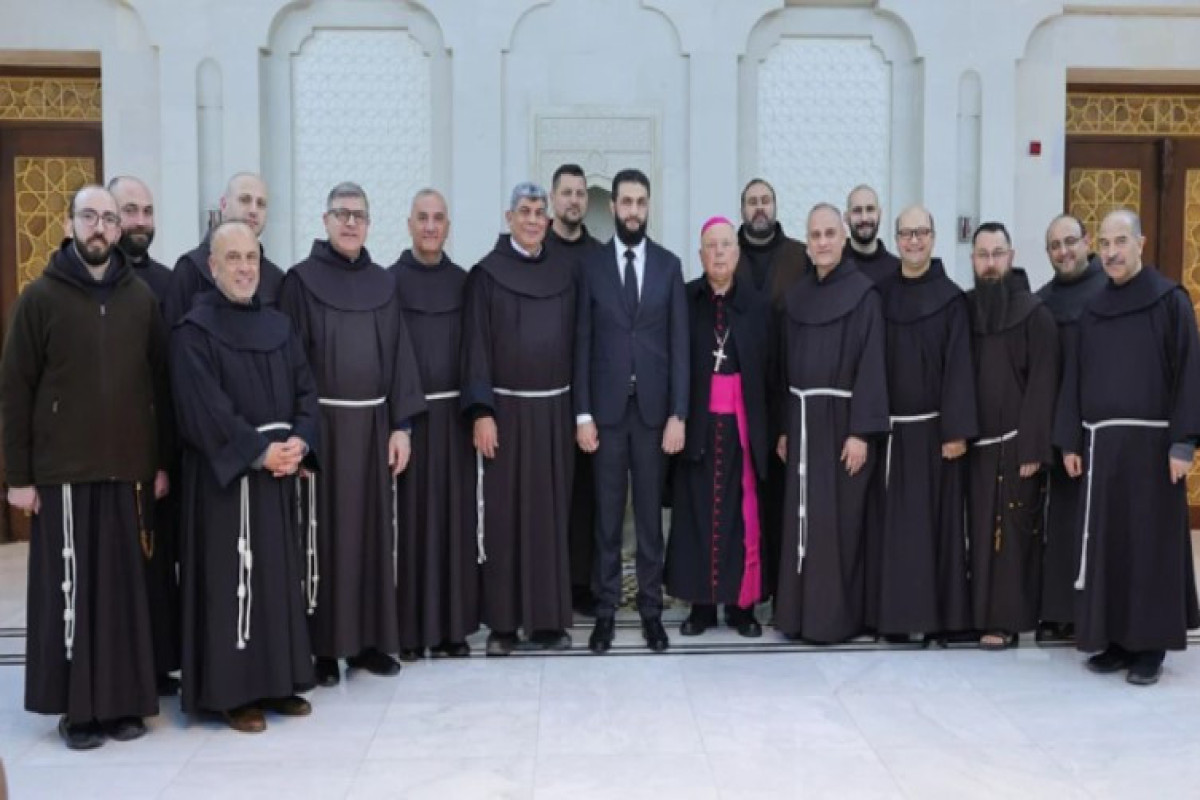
725, 397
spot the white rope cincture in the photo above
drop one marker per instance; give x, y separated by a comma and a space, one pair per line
245, 594
430, 398
480, 552
901, 420
331, 401
70, 575
312, 568
802, 466
1092, 427
994, 440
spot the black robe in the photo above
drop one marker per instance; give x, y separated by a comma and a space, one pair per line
706, 551
1137, 360
439, 576
519, 335
878, 266
192, 277
1066, 300
234, 369
833, 338
1016, 374
162, 552
349, 321
775, 267
583, 491
917, 555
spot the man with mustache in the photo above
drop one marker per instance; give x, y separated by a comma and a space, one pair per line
136, 206
631, 398
862, 219
1077, 278
917, 560
1128, 424
245, 199
345, 309
569, 201
837, 408
83, 389
773, 259
1014, 342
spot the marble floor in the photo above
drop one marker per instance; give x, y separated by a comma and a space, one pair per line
768, 723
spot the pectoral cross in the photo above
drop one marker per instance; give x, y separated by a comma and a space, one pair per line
719, 355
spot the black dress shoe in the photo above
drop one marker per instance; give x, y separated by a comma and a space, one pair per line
749, 628
125, 729
410, 654
553, 639
655, 634
1145, 668
327, 671
501, 644
699, 619
600, 642
166, 685
80, 736
451, 650
293, 706
374, 662
1114, 659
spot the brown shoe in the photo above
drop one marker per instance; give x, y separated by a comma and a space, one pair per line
294, 706
246, 719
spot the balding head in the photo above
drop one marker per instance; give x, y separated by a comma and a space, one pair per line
245, 199
233, 259
862, 216
136, 206
1067, 245
915, 238
93, 223
429, 225
1120, 243
826, 237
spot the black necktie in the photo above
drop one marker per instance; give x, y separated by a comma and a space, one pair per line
631, 289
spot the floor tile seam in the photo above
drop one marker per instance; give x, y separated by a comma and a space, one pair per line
871, 746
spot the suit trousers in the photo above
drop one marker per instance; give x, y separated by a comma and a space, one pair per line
630, 447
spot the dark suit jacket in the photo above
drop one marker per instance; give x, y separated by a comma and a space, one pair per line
611, 345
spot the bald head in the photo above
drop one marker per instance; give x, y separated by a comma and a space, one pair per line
862, 217
233, 258
245, 199
1067, 245
136, 206
915, 237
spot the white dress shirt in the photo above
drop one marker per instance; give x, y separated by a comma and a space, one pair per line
639, 262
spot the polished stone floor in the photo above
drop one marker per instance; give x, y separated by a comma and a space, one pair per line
843, 722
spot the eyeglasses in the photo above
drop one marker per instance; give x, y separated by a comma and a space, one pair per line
344, 215
91, 217
993, 255
1067, 243
903, 234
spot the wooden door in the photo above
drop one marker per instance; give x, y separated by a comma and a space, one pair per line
1106, 174
50, 145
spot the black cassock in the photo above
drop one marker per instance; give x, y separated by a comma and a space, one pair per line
917, 563
161, 549
879, 265
518, 342
1132, 393
1016, 380
192, 277
349, 321
833, 357
710, 557
439, 577
241, 381
1066, 300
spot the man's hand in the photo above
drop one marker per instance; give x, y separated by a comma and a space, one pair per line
486, 439
1030, 469
399, 450
587, 437
283, 458
1179, 469
1073, 464
781, 448
162, 484
25, 498
854, 455
955, 449
673, 436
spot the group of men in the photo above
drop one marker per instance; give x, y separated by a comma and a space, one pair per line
350, 462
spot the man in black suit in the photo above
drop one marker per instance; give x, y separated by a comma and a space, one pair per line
631, 398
